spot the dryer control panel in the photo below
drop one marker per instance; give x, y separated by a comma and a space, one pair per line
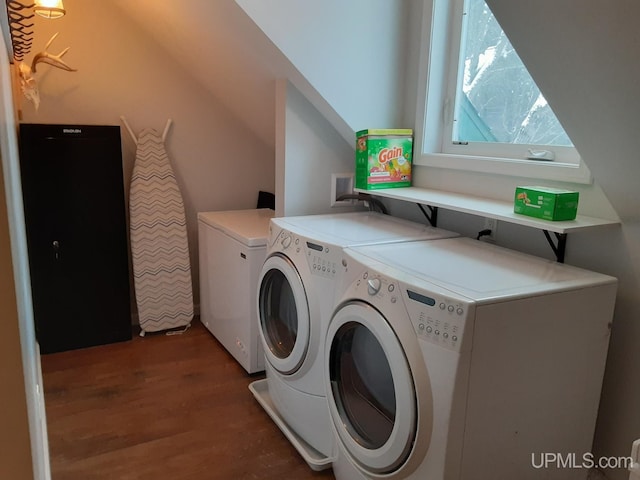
437, 319
436, 315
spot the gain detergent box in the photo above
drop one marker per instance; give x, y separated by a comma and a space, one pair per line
383, 158
546, 203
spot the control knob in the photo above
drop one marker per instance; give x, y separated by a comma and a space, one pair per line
373, 286
286, 241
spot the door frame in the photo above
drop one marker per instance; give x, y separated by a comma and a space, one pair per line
17, 232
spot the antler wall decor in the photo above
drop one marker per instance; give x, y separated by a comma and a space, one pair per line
26, 72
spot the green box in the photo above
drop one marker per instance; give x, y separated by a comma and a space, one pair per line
383, 158
546, 203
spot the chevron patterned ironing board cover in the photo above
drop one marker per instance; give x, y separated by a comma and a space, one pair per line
160, 252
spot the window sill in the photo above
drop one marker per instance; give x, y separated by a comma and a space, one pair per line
560, 172
500, 210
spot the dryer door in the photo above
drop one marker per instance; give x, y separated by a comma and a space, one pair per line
284, 314
370, 389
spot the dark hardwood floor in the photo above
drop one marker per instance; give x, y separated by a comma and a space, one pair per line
161, 407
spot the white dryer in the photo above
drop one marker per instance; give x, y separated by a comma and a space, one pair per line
458, 359
296, 297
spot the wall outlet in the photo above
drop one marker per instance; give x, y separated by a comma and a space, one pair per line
341, 184
490, 224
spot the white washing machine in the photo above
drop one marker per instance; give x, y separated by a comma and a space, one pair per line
297, 291
232, 248
457, 359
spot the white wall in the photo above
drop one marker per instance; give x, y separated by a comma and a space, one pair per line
219, 163
334, 87
310, 151
363, 79
218, 46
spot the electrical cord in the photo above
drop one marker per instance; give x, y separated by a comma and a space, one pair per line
483, 233
374, 203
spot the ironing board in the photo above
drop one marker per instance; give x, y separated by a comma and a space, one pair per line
159, 248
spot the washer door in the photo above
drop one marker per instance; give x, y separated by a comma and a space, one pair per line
284, 314
371, 392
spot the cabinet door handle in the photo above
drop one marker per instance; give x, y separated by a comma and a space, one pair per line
56, 249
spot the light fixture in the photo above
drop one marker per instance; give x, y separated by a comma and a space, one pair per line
49, 8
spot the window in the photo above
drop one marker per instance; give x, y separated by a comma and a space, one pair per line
483, 110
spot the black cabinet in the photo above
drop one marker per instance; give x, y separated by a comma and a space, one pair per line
74, 206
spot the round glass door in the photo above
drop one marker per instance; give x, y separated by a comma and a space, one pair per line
284, 314
372, 395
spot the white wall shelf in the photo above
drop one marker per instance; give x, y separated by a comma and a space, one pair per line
498, 209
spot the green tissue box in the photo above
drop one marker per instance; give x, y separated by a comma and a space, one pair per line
546, 203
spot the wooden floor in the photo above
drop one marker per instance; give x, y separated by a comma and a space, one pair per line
161, 407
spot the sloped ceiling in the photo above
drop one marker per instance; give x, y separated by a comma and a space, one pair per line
216, 42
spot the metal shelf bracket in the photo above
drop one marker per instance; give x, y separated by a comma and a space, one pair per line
558, 248
432, 217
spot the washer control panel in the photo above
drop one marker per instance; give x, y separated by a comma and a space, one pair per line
322, 259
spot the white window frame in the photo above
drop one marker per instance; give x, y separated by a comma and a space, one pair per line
439, 35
